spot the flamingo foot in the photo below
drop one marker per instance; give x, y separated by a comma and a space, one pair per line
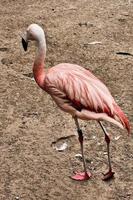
81, 176
109, 175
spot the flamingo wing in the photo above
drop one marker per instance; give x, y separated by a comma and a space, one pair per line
76, 89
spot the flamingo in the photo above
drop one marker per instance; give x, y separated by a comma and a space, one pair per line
78, 92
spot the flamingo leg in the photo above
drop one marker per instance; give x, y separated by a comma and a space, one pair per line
81, 176
110, 173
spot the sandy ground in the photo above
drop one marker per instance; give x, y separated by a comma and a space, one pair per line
30, 168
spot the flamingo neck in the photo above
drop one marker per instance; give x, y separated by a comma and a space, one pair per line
38, 67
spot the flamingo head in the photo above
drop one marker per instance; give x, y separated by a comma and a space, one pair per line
33, 32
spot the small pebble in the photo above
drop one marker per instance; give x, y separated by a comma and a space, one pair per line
117, 137
78, 155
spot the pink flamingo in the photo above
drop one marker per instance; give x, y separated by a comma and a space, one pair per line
76, 91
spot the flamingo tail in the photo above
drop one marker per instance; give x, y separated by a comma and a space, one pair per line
122, 117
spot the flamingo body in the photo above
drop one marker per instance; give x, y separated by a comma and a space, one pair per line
78, 92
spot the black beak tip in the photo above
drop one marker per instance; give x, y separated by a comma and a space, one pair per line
25, 44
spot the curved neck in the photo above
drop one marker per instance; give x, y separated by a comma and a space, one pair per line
38, 67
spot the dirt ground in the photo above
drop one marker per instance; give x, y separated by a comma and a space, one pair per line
30, 168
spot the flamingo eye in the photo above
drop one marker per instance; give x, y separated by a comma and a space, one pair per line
30, 35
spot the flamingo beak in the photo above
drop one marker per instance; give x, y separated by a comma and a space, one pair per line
24, 44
